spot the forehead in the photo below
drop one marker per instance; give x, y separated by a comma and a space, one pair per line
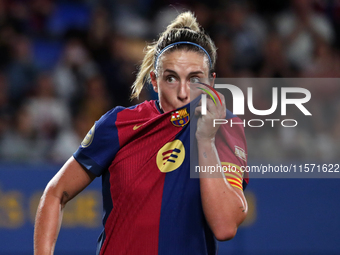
185, 61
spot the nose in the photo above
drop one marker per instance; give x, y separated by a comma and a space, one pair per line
184, 92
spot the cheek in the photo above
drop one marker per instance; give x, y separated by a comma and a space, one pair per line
164, 88
166, 93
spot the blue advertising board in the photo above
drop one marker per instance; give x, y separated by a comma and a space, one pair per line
286, 216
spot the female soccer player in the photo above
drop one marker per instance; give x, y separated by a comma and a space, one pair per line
151, 205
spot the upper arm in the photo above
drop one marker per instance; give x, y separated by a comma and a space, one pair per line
91, 159
71, 179
100, 145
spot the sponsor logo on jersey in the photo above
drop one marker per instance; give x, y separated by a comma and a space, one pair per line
239, 152
180, 118
137, 126
170, 156
88, 138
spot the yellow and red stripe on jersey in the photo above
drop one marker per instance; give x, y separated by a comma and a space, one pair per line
233, 174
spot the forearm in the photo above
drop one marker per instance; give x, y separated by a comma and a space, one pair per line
47, 224
66, 184
223, 206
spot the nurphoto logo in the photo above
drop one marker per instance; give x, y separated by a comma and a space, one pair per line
239, 104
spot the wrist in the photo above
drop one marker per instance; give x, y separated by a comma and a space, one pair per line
205, 141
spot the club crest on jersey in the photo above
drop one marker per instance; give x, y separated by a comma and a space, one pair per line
180, 118
239, 152
88, 138
170, 156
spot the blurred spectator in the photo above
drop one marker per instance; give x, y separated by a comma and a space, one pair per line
225, 51
6, 110
325, 62
20, 142
119, 68
7, 36
98, 35
3, 12
128, 19
275, 63
68, 140
95, 101
332, 10
49, 114
247, 31
300, 28
203, 13
73, 70
19, 15
21, 71
41, 11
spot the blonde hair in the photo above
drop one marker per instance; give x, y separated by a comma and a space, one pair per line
184, 28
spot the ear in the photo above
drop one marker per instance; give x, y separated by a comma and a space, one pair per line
213, 79
154, 81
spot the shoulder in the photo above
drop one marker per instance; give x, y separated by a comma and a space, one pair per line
145, 108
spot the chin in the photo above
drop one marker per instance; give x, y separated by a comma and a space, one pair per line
173, 106
179, 106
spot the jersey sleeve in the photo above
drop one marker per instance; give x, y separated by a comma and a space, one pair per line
232, 151
100, 145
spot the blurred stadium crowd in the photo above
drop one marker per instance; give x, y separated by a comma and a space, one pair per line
65, 63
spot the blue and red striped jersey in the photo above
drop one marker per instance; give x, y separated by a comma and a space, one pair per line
151, 205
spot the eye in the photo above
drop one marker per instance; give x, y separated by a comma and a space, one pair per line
171, 79
195, 80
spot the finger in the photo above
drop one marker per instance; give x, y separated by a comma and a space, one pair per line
217, 98
198, 111
215, 95
220, 104
212, 107
223, 108
222, 98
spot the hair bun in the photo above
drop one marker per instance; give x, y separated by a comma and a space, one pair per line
186, 20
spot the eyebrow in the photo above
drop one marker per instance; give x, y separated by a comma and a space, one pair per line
191, 73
